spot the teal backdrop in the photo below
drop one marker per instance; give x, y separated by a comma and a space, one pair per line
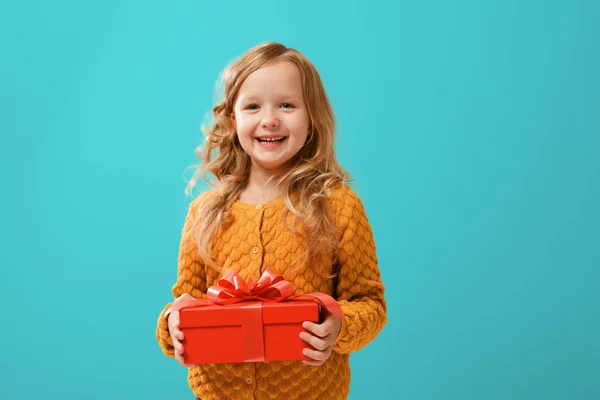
471, 128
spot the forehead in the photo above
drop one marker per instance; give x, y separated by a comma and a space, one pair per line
282, 77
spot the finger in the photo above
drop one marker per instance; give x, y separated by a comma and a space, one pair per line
314, 341
173, 321
314, 354
179, 358
178, 346
313, 363
319, 330
185, 296
177, 334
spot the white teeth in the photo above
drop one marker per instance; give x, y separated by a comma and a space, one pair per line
271, 140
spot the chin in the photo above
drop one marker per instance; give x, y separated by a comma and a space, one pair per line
272, 165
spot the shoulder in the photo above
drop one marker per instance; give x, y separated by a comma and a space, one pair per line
202, 198
346, 205
343, 196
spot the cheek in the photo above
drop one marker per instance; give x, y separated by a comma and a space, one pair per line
244, 127
300, 124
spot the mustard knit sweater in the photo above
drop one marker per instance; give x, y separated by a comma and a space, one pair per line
258, 240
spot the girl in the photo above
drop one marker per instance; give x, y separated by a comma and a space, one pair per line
282, 202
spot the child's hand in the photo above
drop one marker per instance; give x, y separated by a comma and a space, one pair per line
322, 338
176, 334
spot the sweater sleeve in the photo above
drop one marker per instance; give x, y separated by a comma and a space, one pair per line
360, 291
191, 278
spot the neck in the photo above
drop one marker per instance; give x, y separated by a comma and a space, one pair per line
259, 182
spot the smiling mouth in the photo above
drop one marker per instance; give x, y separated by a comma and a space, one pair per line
272, 140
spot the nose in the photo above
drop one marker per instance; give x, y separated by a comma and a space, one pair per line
270, 121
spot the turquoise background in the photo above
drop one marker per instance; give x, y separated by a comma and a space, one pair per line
472, 130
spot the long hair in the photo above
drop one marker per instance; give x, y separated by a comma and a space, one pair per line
315, 171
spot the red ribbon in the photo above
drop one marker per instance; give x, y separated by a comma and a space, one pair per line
271, 288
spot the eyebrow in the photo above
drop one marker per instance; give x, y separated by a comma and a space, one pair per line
254, 96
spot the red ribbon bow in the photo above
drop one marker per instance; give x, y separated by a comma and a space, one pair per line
271, 287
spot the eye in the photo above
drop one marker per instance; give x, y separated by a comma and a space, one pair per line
252, 107
287, 105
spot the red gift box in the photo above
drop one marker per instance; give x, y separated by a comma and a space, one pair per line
246, 332
249, 322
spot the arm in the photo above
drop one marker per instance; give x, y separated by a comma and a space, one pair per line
360, 292
191, 278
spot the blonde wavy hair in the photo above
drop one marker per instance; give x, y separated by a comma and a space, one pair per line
305, 187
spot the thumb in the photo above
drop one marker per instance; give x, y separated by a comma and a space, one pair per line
185, 296
324, 314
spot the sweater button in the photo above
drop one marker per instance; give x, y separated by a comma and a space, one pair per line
258, 206
248, 381
255, 250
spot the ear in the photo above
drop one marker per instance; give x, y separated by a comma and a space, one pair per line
233, 122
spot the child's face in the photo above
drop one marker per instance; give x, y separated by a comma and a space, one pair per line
270, 105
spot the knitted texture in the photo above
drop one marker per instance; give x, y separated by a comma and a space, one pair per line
256, 240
